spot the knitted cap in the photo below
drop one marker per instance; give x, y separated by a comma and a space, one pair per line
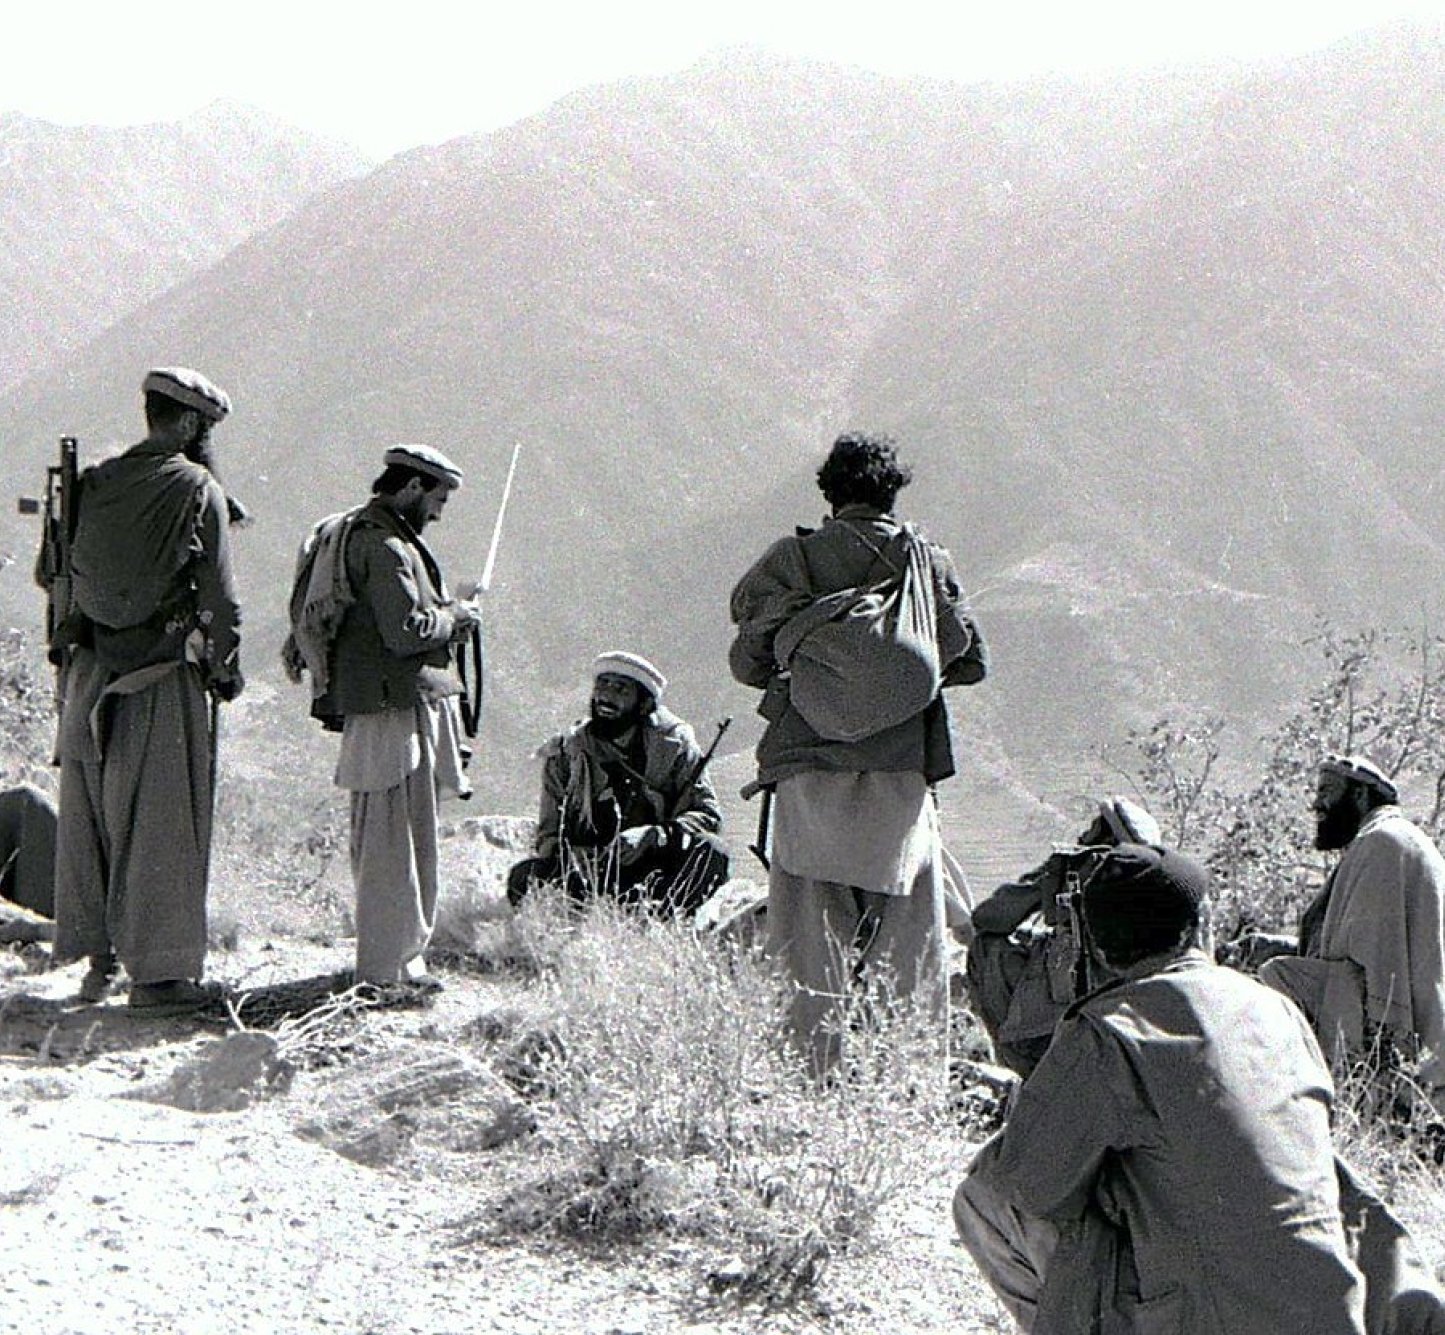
632, 666
1155, 891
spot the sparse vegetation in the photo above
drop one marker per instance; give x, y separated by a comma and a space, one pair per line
668, 1102
626, 1088
27, 711
1379, 692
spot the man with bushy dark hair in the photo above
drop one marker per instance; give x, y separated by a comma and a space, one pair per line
863, 470
855, 883
1168, 1163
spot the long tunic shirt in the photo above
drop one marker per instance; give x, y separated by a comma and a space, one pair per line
1385, 914
133, 844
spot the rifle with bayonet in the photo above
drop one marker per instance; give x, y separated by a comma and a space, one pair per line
471, 663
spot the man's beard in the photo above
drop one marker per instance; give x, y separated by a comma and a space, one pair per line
198, 450
612, 726
415, 513
1337, 826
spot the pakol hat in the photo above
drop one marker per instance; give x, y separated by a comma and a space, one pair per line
190, 389
425, 460
1155, 888
1130, 823
632, 666
1362, 770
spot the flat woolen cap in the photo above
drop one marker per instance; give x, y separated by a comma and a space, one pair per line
1361, 769
1155, 888
632, 666
425, 460
1129, 822
190, 389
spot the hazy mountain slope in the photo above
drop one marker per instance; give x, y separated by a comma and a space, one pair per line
1165, 356
94, 222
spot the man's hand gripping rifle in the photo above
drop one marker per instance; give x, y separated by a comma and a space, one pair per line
1065, 875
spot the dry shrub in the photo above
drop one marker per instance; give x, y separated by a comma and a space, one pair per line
27, 711
528, 942
1385, 1129
669, 1102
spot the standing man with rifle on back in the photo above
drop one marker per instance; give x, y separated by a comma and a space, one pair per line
628, 810
145, 632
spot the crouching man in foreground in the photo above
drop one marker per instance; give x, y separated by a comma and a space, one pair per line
1168, 1164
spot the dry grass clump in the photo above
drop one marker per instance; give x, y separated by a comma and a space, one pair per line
1386, 1129
668, 1102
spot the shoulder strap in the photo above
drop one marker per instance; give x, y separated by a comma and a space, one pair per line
900, 540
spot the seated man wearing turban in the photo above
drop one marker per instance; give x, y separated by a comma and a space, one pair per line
627, 810
1368, 967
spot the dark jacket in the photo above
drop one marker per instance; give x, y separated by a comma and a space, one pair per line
401, 622
790, 575
1190, 1107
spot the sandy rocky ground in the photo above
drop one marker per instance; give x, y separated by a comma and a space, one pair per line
339, 1197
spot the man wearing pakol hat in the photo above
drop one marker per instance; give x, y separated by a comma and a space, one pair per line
627, 809
1022, 969
153, 638
1368, 966
389, 681
1167, 1166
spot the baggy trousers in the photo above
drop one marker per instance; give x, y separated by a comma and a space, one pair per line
838, 942
394, 870
133, 840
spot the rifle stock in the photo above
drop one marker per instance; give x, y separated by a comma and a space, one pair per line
57, 532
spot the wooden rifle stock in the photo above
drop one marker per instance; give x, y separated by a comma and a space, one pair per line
57, 533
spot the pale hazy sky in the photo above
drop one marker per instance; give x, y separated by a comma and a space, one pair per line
391, 76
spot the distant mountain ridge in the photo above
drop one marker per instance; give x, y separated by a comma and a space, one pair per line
1167, 356
94, 222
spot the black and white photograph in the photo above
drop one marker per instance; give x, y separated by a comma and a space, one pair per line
767, 669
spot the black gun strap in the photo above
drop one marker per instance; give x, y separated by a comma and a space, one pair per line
470, 669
